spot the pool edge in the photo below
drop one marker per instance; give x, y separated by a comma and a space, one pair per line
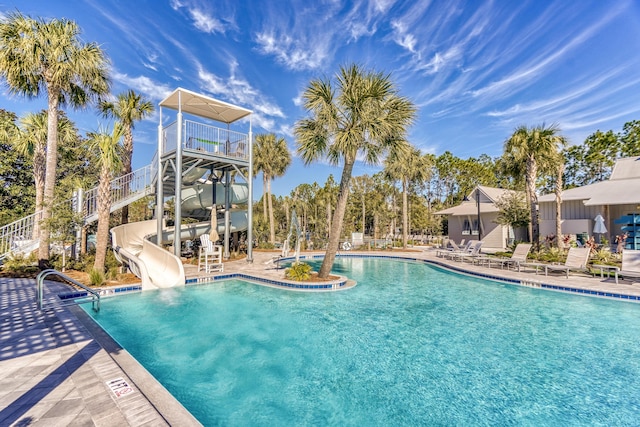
158, 396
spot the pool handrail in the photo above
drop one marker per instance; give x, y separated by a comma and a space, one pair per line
95, 295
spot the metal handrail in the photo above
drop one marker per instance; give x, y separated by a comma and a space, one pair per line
95, 299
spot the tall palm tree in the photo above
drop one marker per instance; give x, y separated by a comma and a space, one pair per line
109, 152
533, 147
409, 167
38, 56
363, 115
271, 156
558, 192
32, 141
128, 108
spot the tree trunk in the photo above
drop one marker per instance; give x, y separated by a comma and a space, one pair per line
50, 176
39, 177
127, 156
104, 205
265, 192
375, 229
532, 173
328, 228
405, 216
558, 191
272, 222
83, 240
336, 223
363, 214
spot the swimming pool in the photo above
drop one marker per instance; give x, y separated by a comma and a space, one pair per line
411, 344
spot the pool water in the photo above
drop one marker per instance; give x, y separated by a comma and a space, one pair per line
412, 344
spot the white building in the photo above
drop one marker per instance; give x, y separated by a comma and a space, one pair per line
617, 200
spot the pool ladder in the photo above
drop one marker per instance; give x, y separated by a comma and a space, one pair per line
91, 294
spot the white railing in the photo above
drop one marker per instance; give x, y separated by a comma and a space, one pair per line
205, 138
21, 236
124, 190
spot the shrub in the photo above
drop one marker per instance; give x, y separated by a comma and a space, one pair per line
20, 264
553, 254
299, 271
96, 277
265, 245
603, 256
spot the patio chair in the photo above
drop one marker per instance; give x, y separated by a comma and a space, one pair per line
446, 250
577, 260
462, 250
518, 256
472, 254
630, 266
210, 256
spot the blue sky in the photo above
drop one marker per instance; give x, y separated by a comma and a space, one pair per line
475, 69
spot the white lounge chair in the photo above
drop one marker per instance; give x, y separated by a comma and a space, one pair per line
630, 266
473, 253
518, 256
577, 260
461, 250
446, 250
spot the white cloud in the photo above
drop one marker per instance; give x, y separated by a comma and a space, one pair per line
237, 90
205, 22
294, 53
144, 85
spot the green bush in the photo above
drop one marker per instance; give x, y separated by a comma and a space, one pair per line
265, 245
299, 271
20, 264
552, 254
96, 277
603, 256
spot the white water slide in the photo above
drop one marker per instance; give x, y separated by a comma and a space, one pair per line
134, 244
197, 199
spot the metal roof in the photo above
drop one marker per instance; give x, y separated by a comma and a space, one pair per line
203, 106
622, 188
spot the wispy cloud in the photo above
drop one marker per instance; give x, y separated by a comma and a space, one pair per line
294, 53
142, 84
239, 91
203, 20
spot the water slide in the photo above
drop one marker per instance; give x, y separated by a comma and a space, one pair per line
134, 243
197, 199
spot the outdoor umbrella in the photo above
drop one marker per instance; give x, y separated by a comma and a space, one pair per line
599, 227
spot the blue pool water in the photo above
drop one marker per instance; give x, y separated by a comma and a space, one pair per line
410, 345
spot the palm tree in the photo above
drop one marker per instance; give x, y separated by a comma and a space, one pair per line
32, 141
109, 153
271, 156
128, 108
38, 57
558, 192
408, 166
363, 115
533, 147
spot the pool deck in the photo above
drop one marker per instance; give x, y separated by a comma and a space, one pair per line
56, 365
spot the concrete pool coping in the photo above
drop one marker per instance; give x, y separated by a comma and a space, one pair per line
54, 364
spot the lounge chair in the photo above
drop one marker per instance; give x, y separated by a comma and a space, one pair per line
446, 250
577, 260
472, 254
461, 250
518, 256
630, 266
